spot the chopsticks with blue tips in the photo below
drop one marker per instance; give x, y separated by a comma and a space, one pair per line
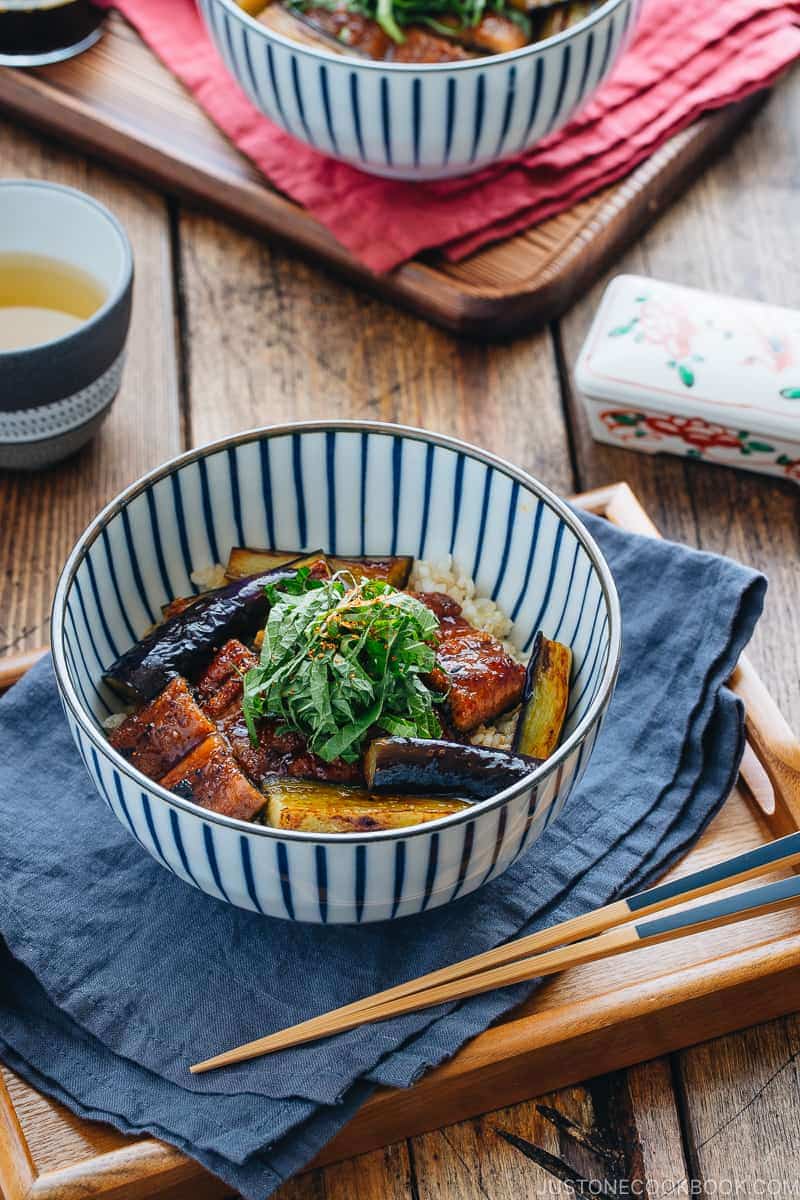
599, 934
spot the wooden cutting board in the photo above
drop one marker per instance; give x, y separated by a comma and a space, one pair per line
585, 1022
117, 101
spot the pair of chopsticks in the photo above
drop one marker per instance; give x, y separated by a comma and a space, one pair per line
584, 939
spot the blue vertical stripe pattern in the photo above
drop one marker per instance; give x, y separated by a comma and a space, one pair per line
397, 477
285, 878
444, 122
266, 492
321, 862
361, 880
211, 857
399, 876
208, 512
115, 584
386, 121
458, 487
536, 95
330, 479
477, 126
247, 870
487, 492
355, 107
134, 565
450, 120
512, 512
183, 537
275, 90
298, 95
326, 104
179, 846
511, 91
426, 499
566, 59
236, 495
299, 489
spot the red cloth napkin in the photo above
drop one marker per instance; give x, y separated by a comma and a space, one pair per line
685, 59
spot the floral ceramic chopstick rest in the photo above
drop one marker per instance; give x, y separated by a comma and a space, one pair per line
674, 369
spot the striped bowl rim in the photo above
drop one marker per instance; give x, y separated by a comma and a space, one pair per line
95, 528
482, 64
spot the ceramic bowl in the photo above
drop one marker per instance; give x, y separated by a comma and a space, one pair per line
426, 121
55, 395
351, 488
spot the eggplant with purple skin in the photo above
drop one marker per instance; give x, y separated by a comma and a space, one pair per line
428, 767
544, 698
185, 643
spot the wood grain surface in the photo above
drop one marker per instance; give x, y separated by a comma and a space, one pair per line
118, 101
229, 332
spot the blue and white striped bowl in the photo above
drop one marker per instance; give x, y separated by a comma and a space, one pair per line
420, 121
351, 488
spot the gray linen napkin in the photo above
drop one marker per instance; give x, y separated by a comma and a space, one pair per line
116, 975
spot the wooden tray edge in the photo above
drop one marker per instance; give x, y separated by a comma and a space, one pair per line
418, 285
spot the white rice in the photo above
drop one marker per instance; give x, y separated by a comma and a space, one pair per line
444, 575
208, 578
114, 720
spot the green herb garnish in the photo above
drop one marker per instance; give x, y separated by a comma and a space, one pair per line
341, 657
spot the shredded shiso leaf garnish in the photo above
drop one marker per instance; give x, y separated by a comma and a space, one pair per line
341, 657
394, 15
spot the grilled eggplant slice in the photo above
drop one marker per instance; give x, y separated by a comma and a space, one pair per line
331, 808
186, 643
430, 767
243, 561
545, 698
178, 605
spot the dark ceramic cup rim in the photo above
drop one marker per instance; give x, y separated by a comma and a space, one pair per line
109, 323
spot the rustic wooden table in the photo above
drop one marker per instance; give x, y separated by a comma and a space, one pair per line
228, 333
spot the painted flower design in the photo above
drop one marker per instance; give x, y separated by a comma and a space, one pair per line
668, 326
703, 435
699, 435
776, 354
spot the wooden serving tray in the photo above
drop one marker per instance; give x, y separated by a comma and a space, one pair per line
585, 1022
118, 101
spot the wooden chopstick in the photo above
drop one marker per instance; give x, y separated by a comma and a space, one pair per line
597, 935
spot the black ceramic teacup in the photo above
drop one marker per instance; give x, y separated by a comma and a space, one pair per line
54, 394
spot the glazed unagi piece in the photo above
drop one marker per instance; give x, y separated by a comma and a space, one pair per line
421, 46
210, 777
494, 32
219, 691
163, 732
220, 686
482, 680
349, 31
281, 752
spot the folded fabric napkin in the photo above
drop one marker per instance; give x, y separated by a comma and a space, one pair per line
683, 61
116, 975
